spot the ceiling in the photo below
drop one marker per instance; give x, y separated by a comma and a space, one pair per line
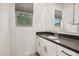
28, 7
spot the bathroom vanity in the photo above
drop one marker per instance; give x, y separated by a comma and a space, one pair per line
57, 44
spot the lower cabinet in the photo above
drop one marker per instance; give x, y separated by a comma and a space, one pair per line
38, 44
51, 49
45, 47
41, 46
61, 51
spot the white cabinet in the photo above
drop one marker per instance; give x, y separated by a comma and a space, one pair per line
76, 54
48, 48
68, 23
51, 49
76, 21
42, 46
71, 10
68, 13
39, 45
61, 51
45, 47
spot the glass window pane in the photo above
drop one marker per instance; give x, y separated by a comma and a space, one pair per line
23, 20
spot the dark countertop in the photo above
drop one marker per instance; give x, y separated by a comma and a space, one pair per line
70, 42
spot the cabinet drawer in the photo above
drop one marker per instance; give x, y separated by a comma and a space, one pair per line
65, 51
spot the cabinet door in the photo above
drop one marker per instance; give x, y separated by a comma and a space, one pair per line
44, 42
61, 51
71, 10
76, 54
51, 49
41, 43
68, 13
43, 47
38, 44
68, 18
76, 21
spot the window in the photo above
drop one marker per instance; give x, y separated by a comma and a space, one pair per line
23, 19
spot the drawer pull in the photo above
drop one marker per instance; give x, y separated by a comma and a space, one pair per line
45, 49
66, 53
39, 43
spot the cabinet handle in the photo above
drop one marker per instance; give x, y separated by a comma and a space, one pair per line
66, 53
39, 43
46, 49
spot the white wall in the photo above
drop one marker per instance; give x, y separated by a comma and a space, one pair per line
22, 38
50, 15
12, 29
25, 41
39, 17
44, 14
4, 30
28, 7
67, 17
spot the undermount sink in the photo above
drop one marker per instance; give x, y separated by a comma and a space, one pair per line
49, 36
52, 37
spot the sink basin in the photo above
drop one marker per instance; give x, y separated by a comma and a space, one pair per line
49, 36
52, 37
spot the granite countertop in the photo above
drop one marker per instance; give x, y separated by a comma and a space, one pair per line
64, 32
68, 41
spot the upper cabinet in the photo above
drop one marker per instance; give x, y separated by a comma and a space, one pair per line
71, 17
71, 12
68, 13
76, 13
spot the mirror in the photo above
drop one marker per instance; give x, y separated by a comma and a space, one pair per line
58, 18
